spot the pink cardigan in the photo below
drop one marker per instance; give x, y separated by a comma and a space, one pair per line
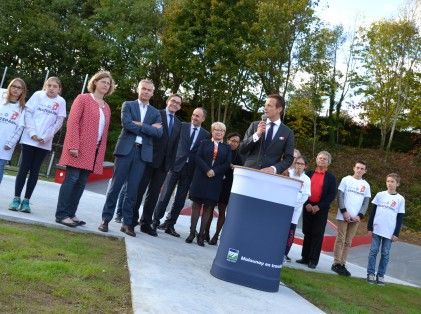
82, 134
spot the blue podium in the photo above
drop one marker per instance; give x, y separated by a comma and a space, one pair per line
254, 237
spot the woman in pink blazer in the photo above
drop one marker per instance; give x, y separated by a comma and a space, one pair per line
84, 145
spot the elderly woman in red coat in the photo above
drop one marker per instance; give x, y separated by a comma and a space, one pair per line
84, 145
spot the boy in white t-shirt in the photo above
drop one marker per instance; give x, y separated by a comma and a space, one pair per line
384, 225
353, 198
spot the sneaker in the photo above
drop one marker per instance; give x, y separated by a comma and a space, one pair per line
380, 280
337, 268
15, 204
345, 271
288, 259
24, 206
371, 279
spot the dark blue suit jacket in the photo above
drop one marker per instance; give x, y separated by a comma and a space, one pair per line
280, 152
183, 148
202, 186
130, 112
165, 147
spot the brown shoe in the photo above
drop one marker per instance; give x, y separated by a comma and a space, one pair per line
129, 230
103, 226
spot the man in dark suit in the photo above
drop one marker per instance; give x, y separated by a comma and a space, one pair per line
182, 172
269, 144
141, 123
164, 150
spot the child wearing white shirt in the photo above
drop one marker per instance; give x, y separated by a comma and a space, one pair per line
12, 105
384, 225
44, 115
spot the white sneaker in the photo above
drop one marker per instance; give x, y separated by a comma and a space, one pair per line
371, 279
380, 280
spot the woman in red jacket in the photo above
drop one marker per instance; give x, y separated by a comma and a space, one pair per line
84, 145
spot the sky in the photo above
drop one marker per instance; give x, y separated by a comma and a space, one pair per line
352, 14
347, 12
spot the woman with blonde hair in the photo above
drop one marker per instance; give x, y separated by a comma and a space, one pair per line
12, 106
84, 145
213, 158
44, 115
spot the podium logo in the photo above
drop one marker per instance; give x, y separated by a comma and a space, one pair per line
232, 255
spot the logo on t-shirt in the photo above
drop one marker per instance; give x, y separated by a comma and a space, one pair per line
14, 116
362, 189
54, 106
393, 204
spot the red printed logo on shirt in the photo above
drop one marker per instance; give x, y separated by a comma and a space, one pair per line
393, 204
362, 189
14, 115
55, 106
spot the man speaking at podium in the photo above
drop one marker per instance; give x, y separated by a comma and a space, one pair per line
269, 144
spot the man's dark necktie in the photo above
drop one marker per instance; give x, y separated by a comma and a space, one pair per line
192, 136
171, 124
269, 135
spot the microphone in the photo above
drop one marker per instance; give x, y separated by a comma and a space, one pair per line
264, 117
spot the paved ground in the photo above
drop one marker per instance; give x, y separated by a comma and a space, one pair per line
168, 275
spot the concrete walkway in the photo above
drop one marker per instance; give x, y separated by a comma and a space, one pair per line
167, 274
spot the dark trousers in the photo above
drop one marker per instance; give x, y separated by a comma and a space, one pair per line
313, 229
32, 158
154, 184
139, 196
70, 192
290, 240
128, 168
183, 178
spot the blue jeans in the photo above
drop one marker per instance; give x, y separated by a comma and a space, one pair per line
70, 192
384, 258
2, 164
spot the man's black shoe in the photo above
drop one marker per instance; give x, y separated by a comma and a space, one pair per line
311, 265
147, 229
170, 230
337, 268
345, 271
128, 230
103, 226
163, 226
302, 261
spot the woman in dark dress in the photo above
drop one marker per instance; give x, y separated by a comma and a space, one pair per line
233, 140
213, 158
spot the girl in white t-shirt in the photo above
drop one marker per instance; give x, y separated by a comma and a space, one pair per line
44, 115
12, 105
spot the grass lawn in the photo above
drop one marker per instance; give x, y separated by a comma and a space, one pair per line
337, 294
47, 270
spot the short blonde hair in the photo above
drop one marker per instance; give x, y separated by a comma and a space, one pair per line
394, 176
327, 154
218, 124
99, 76
54, 79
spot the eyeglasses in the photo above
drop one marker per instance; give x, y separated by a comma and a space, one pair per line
219, 130
16, 86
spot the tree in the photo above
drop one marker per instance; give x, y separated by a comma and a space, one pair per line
390, 56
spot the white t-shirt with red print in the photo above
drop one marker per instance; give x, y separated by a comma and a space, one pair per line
42, 113
11, 118
355, 190
388, 208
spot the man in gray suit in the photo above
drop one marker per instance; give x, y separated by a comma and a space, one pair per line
141, 123
269, 144
181, 173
